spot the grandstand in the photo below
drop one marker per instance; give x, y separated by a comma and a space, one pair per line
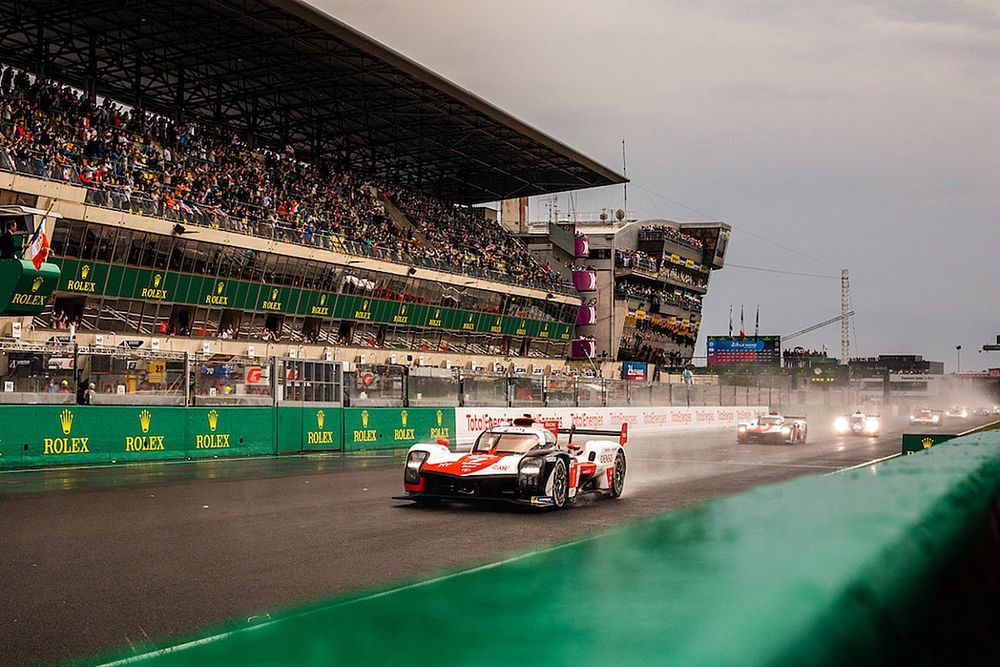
643, 282
235, 173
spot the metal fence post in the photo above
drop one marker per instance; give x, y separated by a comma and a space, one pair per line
187, 378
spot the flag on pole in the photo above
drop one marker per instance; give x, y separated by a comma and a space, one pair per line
756, 323
38, 246
39, 250
743, 333
730, 321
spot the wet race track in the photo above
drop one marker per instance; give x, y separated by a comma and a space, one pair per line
97, 559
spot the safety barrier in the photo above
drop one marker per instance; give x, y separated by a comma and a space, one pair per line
820, 570
52, 435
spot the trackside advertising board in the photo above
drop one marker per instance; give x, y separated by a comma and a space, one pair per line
471, 421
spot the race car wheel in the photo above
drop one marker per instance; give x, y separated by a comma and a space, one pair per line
618, 479
560, 484
803, 433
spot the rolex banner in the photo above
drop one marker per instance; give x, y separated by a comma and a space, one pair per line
55, 435
389, 428
74, 434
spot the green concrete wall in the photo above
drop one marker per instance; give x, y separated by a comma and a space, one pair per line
820, 570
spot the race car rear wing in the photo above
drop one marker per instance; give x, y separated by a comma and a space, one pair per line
802, 417
573, 430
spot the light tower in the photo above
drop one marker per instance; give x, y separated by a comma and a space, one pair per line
845, 313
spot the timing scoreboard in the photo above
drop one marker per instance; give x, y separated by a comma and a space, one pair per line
757, 350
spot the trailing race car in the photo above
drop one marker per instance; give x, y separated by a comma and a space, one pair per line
858, 423
927, 416
957, 412
773, 428
522, 462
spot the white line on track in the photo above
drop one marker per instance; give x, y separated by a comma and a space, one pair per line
738, 463
866, 463
373, 596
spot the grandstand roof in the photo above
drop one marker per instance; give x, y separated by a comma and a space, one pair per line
282, 71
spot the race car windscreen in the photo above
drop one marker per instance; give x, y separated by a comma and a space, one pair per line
769, 421
506, 443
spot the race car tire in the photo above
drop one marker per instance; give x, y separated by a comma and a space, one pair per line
805, 432
741, 441
618, 479
560, 484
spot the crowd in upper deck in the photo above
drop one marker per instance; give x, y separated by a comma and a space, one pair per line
180, 170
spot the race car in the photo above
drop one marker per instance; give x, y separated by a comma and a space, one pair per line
773, 428
927, 416
858, 423
988, 411
957, 411
523, 463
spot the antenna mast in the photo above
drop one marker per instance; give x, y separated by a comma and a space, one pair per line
845, 314
625, 174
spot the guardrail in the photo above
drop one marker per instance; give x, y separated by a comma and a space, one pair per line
820, 570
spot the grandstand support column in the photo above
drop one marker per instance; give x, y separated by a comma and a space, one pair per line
845, 317
137, 79
179, 99
92, 66
41, 46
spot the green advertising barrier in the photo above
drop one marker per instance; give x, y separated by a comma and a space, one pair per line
88, 277
819, 570
53, 435
32, 436
918, 442
390, 428
309, 428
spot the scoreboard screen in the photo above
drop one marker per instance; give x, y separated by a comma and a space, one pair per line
757, 350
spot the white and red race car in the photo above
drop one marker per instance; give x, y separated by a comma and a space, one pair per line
773, 428
522, 462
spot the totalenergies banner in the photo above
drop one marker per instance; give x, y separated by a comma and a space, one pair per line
377, 428
471, 421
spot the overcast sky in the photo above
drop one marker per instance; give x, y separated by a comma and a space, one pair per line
859, 134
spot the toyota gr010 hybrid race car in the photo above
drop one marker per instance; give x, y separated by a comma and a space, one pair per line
957, 411
927, 416
522, 463
773, 428
858, 423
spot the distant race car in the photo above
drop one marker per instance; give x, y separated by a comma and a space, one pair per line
988, 411
858, 423
927, 416
521, 462
773, 428
957, 412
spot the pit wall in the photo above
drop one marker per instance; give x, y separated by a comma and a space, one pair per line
471, 421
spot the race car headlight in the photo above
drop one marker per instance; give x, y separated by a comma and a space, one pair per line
529, 472
871, 424
742, 428
935, 418
411, 474
785, 430
840, 424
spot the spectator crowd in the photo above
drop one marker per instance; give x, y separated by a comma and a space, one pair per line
668, 233
133, 160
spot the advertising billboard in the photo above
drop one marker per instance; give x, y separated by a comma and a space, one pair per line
756, 350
